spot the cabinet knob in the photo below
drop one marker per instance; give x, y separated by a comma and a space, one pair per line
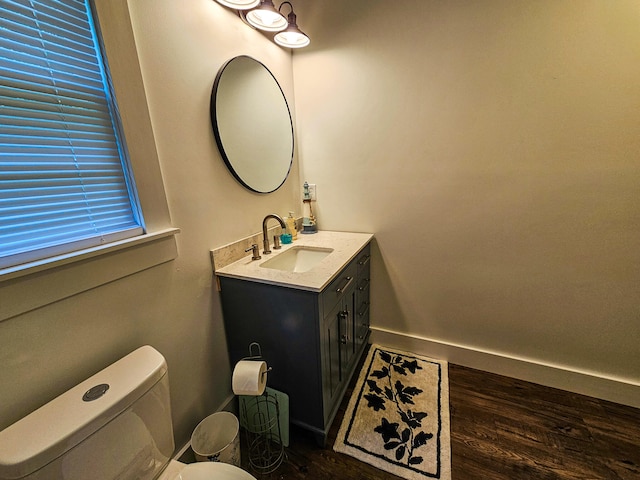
344, 339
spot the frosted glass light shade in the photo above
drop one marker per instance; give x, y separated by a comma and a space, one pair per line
266, 17
239, 4
292, 39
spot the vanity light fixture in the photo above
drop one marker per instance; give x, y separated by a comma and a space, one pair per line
262, 15
239, 4
291, 36
266, 17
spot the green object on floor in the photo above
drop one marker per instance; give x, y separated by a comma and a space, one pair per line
258, 412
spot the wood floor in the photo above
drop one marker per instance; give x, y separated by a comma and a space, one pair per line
501, 429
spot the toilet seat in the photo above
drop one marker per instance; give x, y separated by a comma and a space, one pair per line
212, 471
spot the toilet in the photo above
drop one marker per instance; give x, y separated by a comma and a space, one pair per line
115, 425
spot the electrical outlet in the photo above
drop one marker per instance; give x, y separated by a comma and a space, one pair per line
312, 191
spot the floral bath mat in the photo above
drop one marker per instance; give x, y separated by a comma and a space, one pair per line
398, 416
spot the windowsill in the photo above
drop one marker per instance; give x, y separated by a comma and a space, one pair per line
62, 276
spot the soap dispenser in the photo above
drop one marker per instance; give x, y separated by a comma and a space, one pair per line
291, 226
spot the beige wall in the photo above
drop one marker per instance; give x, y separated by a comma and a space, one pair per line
492, 147
173, 306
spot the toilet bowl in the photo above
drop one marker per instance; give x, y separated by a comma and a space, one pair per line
204, 471
116, 425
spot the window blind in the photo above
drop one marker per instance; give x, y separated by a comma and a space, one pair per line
64, 183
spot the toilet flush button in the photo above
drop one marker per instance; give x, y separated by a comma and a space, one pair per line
95, 392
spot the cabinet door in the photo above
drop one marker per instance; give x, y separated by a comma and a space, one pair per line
361, 316
347, 333
331, 355
342, 333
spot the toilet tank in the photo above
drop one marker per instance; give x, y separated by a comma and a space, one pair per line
114, 425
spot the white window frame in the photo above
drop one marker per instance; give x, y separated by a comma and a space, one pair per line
32, 285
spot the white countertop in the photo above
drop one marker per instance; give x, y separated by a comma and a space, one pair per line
345, 246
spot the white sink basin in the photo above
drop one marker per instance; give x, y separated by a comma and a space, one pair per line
297, 259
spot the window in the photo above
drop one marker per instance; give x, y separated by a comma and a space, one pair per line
64, 179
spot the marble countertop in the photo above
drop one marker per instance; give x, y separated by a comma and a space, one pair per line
346, 246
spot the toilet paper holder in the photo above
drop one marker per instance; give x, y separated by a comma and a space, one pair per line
258, 356
260, 417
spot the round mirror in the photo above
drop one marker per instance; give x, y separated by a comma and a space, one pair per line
252, 124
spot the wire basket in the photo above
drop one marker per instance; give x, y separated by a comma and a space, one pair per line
261, 420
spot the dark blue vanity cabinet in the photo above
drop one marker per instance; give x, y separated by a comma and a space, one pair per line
312, 340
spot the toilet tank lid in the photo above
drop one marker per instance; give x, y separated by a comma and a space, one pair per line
56, 427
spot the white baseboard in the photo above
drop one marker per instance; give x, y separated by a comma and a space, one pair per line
609, 388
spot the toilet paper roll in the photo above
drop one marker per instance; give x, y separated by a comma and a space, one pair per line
249, 377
